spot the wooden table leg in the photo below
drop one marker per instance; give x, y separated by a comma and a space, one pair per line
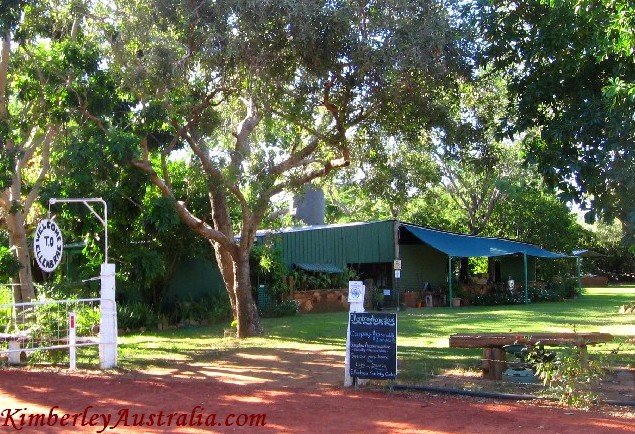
494, 363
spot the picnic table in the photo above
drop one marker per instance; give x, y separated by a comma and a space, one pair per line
494, 363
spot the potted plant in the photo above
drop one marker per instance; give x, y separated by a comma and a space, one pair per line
378, 298
231, 331
457, 295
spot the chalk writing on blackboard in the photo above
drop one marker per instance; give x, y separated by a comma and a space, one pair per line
373, 345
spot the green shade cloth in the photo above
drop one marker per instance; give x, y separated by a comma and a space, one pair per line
319, 268
471, 246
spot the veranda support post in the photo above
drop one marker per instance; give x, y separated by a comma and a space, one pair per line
526, 279
450, 280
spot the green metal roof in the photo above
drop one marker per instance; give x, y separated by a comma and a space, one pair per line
470, 246
319, 268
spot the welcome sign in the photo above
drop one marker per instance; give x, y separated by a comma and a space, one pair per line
48, 245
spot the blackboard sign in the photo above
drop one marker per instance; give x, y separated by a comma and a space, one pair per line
373, 345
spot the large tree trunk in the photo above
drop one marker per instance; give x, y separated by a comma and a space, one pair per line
226, 267
246, 311
18, 240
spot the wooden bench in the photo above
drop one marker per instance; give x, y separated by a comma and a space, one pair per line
494, 363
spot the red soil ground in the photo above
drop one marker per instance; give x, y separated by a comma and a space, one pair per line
297, 391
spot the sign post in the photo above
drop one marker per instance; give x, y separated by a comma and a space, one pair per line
48, 245
108, 308
356, 291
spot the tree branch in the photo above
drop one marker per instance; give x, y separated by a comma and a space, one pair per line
49, 137
4, 71
295, 159
190, 220
216, 175
327, 168
243, 132
4, 199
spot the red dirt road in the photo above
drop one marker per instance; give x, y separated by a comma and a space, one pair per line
304, 407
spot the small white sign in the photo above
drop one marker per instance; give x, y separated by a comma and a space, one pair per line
397, 274
48, 245
386, 291
356, 290
396, 264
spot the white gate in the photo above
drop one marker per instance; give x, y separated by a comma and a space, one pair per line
58, 324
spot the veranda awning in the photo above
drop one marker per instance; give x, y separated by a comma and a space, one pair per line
471, 246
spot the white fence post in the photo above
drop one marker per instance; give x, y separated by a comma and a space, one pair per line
108, 321
14, 352
72, 338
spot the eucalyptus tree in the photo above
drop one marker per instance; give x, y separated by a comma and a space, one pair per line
474, 162
267, 95
45, 62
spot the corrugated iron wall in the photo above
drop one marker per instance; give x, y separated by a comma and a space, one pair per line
420, 264
339, 245
513, 266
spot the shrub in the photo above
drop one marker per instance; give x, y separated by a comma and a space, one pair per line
6, 297
543, 294
212, 308
134, 316
571, 375
285, 308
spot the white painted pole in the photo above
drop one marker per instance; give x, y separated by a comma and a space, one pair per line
108, 308
72, 338
108, 320
355, 307
14, 352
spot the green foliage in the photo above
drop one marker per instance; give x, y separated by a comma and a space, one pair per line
308, 280
478, 266
135, 316
268, 268
532, 213
161, 215
618, 260
6, 313
571, 375
571, 85
210, 309
66, 290
282, 309
10, 14
9, 265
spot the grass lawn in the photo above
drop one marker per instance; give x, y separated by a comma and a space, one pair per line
422, 333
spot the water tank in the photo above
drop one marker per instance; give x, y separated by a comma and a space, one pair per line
310, 205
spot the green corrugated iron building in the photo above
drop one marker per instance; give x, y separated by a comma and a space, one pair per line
371, 247
425, 253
